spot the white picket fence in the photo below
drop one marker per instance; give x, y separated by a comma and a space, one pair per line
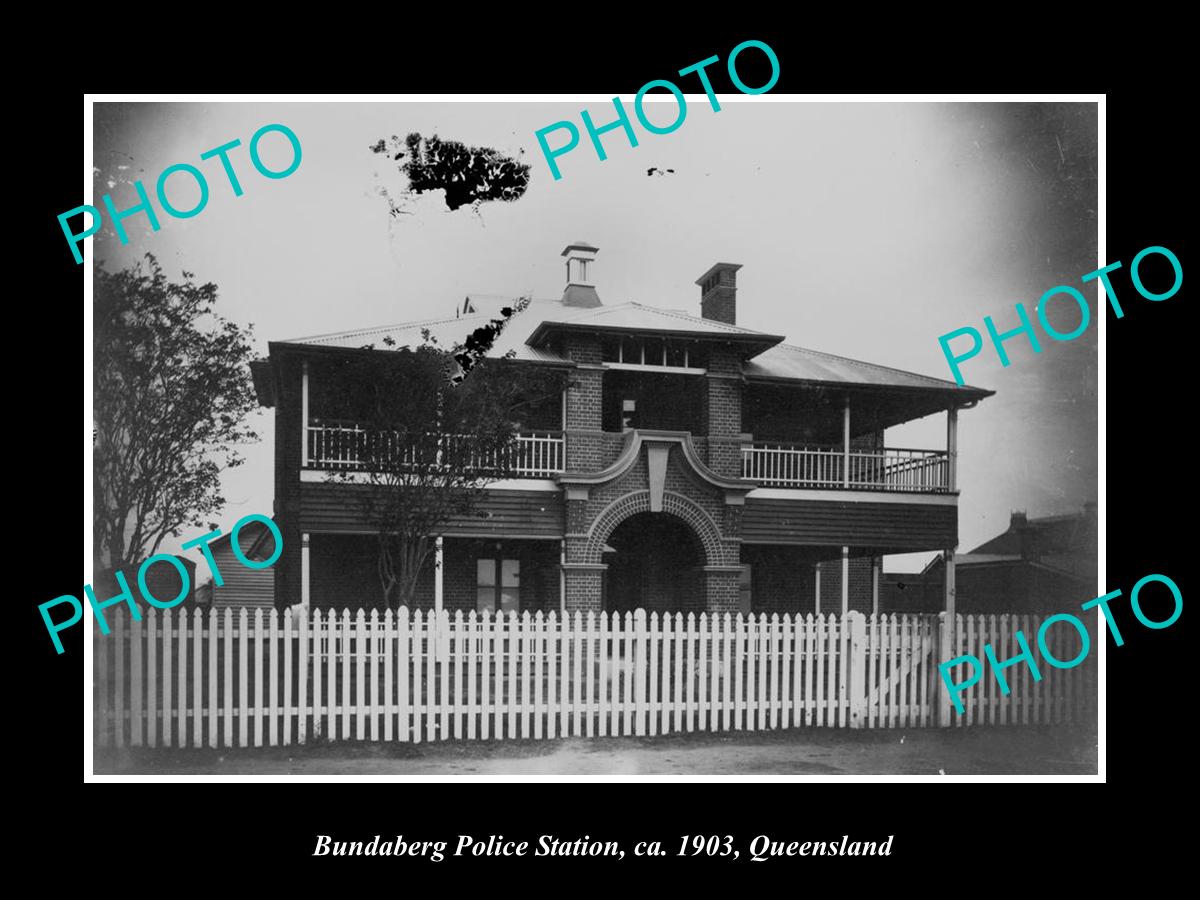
226, 678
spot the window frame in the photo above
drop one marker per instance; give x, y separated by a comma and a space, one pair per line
498, 587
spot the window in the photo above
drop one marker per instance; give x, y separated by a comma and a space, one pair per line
744, 591
497, 585
653, 352
630, 350
610, 349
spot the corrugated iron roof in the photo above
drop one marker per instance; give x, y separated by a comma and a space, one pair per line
776, 360
452, 331
785, 361
639, 317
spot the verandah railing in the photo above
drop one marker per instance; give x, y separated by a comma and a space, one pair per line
349, 446
892, 469
225, 678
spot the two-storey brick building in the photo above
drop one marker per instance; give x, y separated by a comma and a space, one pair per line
690, 464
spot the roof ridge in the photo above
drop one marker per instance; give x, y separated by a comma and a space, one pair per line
676, 314
355, 332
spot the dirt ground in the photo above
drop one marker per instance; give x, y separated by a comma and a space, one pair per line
978, 751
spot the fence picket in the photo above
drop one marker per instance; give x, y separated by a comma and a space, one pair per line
119, 683
227, 695
315, 650
702, 671
785, 682
576, 684
442, 671
181, 680
843, 672
726, 684
151, 679
487, 665
198, 678
243, 667
539, 674
345, 632
652, 698
101, 701
135, 682
428, 684
554, 667
819, 665
377, 645
639, 671
404, 655
510, 670
288, 622
258, 675
331, 675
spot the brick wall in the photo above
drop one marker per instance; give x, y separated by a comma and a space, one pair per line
781, 579
585, 396
860, 584
723, 411
583, 590
723, 593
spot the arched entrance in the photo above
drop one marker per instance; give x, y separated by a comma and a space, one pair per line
656, 562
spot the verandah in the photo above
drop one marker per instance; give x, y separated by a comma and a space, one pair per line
220, 678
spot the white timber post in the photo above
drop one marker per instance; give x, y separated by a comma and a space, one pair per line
845, 580
438, 582
817, 590
875, 566
846, 444
949, 648
304, 415
859, 688
305, 569
952, 447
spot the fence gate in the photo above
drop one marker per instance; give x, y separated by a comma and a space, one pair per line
899, 654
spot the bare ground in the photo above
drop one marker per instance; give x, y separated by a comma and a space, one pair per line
976, 751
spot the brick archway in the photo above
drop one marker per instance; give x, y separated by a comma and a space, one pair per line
676, 505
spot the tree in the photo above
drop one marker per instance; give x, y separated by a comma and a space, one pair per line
171, 389
429, 439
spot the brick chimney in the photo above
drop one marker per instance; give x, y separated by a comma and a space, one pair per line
581, 289
1019, 525
718, 293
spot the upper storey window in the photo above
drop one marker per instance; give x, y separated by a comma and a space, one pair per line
630, 350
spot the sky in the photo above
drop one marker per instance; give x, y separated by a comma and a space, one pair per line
863, 229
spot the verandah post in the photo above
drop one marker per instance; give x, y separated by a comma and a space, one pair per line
945, 651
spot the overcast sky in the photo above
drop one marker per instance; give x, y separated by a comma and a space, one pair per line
865, 230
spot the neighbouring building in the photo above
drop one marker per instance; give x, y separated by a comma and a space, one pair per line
690, 464
1038, 565
241, 585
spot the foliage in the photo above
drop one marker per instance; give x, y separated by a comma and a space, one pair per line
430, 440
170, 392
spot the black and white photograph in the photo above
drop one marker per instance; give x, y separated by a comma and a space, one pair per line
505, 437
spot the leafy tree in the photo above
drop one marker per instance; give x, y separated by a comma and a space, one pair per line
171, 389
428, 440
